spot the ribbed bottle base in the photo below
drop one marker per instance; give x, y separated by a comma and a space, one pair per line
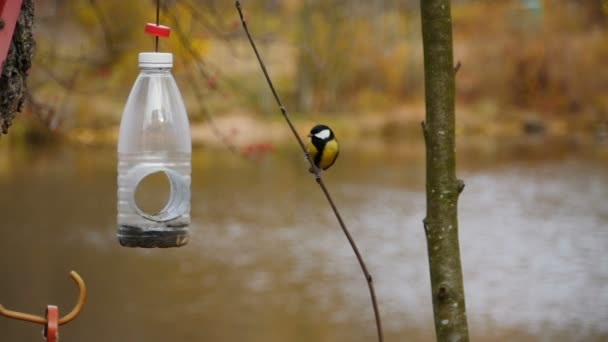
130, 236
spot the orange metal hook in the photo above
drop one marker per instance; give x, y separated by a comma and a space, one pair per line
82, 298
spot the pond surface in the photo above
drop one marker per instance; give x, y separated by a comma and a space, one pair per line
267, 260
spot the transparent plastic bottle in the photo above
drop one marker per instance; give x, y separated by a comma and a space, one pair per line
154, 137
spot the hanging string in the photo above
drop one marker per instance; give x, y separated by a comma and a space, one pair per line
157, 22
157, 29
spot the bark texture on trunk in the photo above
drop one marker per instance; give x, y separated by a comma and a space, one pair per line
442, 186
15, 69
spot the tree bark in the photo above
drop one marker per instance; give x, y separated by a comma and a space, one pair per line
15, 69
442, 186
596, 11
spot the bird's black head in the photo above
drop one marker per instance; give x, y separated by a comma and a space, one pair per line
321, 132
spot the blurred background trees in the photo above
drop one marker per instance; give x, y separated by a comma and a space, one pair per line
532, 133
526, 63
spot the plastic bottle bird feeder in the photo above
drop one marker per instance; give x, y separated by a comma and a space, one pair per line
154, 139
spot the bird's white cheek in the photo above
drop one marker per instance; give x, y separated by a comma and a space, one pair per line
324, 134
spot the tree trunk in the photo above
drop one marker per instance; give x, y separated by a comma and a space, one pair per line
442, 186
16, 66
596, 11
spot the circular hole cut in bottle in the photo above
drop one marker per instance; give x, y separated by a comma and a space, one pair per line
152, 193
160, 194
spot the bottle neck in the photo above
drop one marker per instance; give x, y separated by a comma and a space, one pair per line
155, 71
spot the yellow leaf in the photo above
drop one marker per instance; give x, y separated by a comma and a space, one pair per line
200, 46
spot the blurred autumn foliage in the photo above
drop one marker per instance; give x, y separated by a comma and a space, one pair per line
522, 60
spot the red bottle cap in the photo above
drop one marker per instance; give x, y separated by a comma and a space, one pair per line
157, 30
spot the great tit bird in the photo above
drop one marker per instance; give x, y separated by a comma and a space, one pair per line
323, 147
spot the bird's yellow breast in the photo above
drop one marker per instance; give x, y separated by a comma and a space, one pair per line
328, 156
330, 153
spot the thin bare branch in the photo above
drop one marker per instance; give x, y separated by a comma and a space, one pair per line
198, 90
103, 23
41, 111
457, 67
218, 27
318, 178
208, 70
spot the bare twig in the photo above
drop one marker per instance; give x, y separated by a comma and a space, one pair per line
50, 115
103, 23
368, 277
457, 67
84, 59
209, 118
198, 61
208, 70
217, 27
43, 112
67, 83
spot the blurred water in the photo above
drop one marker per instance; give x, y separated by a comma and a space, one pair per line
268, 262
